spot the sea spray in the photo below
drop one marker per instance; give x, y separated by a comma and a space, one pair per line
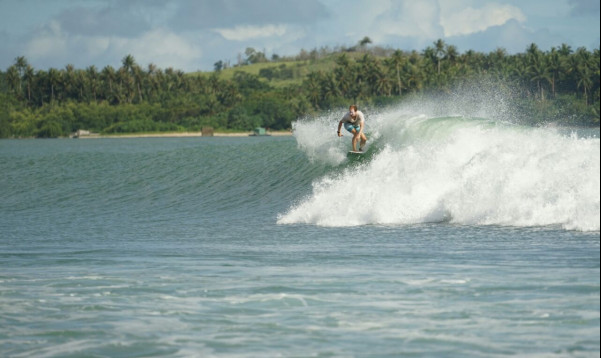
459, 169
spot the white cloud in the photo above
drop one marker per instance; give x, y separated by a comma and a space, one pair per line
469, 20
193, 34
51, 42
408, 19
242, 33
163, 48
159, 46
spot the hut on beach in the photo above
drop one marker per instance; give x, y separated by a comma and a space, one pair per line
259, 131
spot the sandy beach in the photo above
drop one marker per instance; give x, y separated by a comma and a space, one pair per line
180, 134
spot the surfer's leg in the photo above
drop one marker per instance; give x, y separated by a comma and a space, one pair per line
355, 139
363, 140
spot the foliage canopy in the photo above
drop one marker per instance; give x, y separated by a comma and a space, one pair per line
559, 85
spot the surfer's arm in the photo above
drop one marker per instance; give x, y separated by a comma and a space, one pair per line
339, 127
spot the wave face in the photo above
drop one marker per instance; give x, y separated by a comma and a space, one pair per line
422, 167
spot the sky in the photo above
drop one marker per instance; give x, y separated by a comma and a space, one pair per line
192, 35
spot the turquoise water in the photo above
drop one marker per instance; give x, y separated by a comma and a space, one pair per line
453, 237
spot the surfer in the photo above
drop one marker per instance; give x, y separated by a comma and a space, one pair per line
354, 122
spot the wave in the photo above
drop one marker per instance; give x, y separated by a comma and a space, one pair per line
422, 167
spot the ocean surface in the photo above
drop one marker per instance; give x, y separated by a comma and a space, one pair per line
453, 236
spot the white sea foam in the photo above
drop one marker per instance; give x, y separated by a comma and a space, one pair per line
459, 169
315, 139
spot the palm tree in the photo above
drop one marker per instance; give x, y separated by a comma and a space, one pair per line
13, 79
584, 81
126, 84
126, 75
92, 74
364, 42
383, 86
537, 68
153, 81
29, 77
108, 77
555, 67
345, 75
40, 87
397, 60
139, 79
451, 54
68, 80
311, 86
565, 50
328, 86
128, 63
54, 79
583, 71
369, 71
80, 82
21, 65
439, 51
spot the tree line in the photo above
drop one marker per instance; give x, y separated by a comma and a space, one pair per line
556, 78
555, 85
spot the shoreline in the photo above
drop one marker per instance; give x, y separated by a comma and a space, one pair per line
181, 135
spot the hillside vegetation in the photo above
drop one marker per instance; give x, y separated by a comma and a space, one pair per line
560, 85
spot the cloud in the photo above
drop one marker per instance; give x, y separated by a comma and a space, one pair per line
584, 7
469, 20
243, 33
107, 20
163, 48
193, 34
408, 19
512, 36
159, 46
50, 42
210, 14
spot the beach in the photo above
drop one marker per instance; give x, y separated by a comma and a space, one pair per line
180, 134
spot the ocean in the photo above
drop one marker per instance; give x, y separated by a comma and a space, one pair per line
452, 236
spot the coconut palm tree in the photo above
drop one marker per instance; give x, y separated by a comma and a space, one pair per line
126, 75
138, 75
311, 86
345, 75
364, 42
21, 65
29, 78
537, 68
92, 77
108, 78
13, 79
555, 68
584, 81
397, 61
439, 52
69, 81
54, 80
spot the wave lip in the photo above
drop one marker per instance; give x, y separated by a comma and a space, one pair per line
464, 171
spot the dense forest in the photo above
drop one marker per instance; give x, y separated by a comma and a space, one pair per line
560, 85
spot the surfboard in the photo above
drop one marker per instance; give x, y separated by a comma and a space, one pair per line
355, 152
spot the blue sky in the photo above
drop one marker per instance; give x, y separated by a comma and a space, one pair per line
192, 35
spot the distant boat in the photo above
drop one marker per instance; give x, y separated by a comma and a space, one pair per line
259, 131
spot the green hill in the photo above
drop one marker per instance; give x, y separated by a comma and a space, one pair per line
556, 86
286, 72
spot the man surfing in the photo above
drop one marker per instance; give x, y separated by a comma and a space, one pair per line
354, 122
